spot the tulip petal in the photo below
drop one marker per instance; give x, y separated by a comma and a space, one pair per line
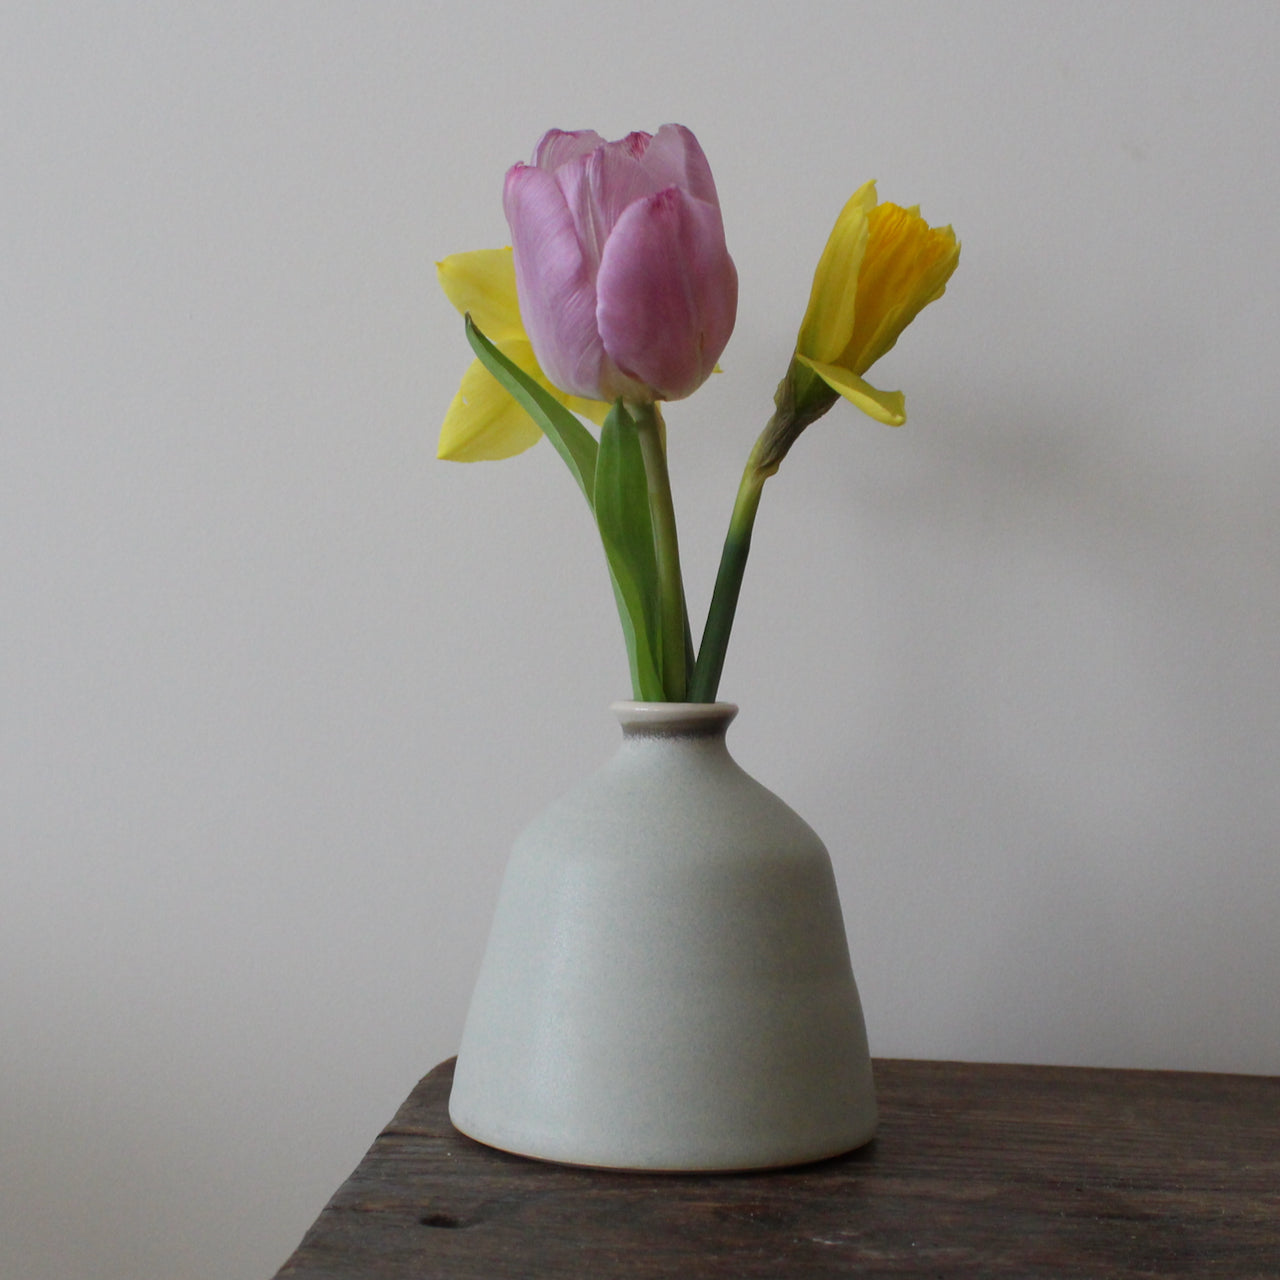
675, 159
888, 407
559, 146
829, 318
483, 284
555, 283
598, 189
484, 424
668, 293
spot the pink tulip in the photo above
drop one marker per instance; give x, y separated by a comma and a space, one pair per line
626, 287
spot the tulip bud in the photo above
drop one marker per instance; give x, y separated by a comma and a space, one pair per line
626, 287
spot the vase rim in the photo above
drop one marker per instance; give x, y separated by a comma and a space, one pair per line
673, 717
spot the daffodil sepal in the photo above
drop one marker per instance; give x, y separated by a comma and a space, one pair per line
572, 441
889, 407
484, 423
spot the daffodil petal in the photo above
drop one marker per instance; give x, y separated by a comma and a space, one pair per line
484, 424
888, 407
483, 283
829, 318
594, 410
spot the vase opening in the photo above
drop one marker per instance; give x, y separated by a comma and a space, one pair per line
670, 719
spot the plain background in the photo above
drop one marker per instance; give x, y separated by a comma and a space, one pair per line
278, 689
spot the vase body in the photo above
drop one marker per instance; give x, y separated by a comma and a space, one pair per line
667, 982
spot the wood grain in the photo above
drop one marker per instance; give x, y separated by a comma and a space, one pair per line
977, 1170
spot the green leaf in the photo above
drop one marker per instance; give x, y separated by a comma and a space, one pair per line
646, 683
626, 529
634, 580
572, 441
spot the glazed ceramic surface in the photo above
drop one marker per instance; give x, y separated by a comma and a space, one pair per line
667, 982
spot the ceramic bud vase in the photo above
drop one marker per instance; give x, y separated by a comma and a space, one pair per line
667, 982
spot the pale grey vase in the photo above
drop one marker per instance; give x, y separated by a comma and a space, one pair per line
667, 982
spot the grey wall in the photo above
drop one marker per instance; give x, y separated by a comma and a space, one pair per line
278, 689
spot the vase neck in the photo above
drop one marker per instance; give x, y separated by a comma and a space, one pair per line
674, 719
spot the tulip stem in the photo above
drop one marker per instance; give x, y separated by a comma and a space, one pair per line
673, 627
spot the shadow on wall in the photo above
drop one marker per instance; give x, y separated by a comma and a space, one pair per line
1063, 736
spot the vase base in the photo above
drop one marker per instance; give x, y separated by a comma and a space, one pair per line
718, 1121
676, 1167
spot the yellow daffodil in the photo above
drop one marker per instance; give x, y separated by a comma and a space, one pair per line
882, 265
483, 422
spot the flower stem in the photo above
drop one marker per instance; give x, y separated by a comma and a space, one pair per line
724, 598
673, 627
801, 398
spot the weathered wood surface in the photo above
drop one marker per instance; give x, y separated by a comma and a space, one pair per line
983, 1171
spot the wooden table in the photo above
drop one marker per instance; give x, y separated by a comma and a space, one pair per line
976, 1171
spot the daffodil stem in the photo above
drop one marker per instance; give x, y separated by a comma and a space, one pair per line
724, 598
672, 625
